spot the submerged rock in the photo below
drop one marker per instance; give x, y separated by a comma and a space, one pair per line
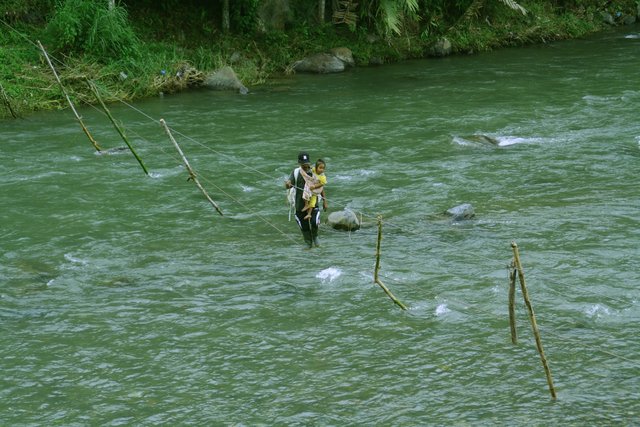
482, 139
461, 212
114, 150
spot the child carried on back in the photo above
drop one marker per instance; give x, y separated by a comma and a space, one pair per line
314, 184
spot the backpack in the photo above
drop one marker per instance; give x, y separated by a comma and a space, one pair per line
291, 193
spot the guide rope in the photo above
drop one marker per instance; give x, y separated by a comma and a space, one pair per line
288, 236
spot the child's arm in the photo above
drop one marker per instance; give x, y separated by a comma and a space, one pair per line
322, 181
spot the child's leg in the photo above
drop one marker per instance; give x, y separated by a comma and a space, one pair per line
309, 208
311, 205
306, 196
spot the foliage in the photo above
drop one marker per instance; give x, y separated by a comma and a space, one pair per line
244, 15
17, 77
274, 14
92, 28
515, 6
388, 16
474, 9
393, 12
172, 36
26, 11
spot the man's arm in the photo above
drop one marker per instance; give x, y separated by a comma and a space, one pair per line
289, 183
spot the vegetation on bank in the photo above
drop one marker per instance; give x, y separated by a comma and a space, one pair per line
139, 48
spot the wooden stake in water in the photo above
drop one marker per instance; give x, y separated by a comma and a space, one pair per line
66, 95
532, 319
376, 279
192, 174
118, 128
512, 303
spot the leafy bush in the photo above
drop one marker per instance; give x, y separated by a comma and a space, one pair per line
91, 28
25, 11
244, 16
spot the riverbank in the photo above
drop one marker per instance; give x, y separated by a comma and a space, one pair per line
158, 62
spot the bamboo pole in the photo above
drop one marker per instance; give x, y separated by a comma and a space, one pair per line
376, 279
512, 302
66, 95
192, 174
118, 128
7, 102
532, 319
378, 244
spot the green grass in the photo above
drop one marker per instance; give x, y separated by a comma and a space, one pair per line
104, 45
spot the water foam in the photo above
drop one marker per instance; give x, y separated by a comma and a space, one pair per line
75, 260
491, 141
511, 140
329, 274
442, 309
597, 310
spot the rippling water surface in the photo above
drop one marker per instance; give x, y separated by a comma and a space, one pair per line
126, 300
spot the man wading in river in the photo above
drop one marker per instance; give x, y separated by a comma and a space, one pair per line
309, 227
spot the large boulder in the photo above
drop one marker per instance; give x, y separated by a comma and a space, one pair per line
336, 61
461, 212
319, 63
225, 79
343, 54
344, 220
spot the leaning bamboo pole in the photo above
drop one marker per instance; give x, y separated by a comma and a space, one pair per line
7, 102
512, 303
192, 174
118, 127
376, 278
532, 319
66, 95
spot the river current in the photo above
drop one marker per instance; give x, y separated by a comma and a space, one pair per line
125, 299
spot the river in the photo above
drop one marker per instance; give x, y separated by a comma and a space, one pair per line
125, 299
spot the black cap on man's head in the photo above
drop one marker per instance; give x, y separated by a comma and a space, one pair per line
303, 157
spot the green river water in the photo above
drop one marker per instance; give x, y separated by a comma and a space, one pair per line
127, 300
